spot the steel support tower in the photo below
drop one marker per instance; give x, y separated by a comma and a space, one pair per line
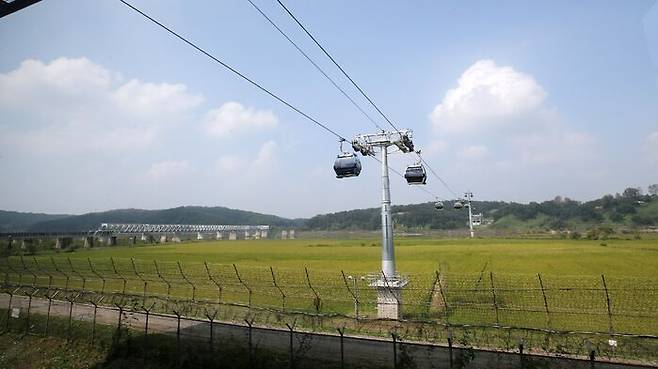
388, 283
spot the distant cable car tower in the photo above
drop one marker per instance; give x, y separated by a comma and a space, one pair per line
469, 196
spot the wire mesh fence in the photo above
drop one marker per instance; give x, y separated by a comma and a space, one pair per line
553, 314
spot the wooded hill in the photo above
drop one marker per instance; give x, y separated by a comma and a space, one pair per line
628, 209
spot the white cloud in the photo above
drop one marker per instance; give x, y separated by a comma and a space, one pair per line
651, 146
231, 163
487, 95
266, 154
152, 98
474, 152
74, 105
436, 147
168, 169
233, 118
264, 159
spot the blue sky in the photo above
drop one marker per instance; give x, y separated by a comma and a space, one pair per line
514, 101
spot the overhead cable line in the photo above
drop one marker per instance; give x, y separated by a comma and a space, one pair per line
315, 65
437, 176
337, 65
299, 23
235, 71
435, 196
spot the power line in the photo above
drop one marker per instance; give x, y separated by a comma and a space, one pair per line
235, 71
315, 65
337, 65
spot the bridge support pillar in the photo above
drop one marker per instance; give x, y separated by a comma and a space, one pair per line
143, 238
163, 238
263, 234
291, 234
246, 235
232, 235
59, 242
284, 234
89, 242
199, 236
219, 235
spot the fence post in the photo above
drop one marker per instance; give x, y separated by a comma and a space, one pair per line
50, 276
118, 334
292, 353
93, 326
71, 300
132, 262
84, 280
250, 323
66, 287
607, 304
29, 307
213, 280
157, 270
543, 293
180, 268
114, 267
237, 274
493, 294
146, 330
341, 331
178, 359
395, 350
521, 358
450, 345
317, 302
93, 270
50, 304
591, 352
354, 295
445, 301
283, 295
211, 319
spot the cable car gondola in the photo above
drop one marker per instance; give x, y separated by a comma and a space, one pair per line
415, 174
458, 205
438, 205
347, 165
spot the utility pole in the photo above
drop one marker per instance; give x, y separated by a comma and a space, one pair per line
469, 196
389, 283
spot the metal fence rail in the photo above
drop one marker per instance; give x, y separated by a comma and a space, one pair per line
619, 314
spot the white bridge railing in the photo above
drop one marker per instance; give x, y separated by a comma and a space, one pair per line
175, 228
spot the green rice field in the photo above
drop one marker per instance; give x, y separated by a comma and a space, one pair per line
535, 283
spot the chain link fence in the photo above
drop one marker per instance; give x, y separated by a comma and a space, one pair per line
616, 318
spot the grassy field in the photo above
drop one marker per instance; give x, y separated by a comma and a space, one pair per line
620, 258
482, 281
